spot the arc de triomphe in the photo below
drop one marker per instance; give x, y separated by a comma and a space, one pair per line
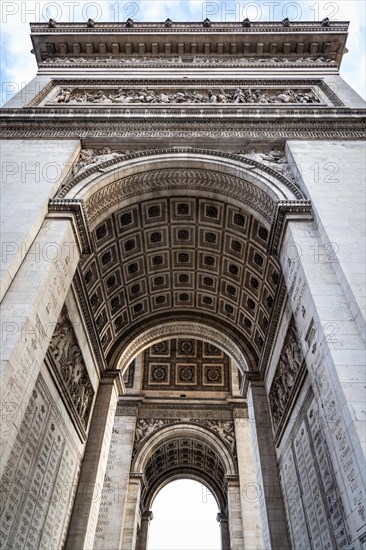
183, 284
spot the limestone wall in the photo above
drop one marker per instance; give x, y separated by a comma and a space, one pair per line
31, 173
331, 174
317, 417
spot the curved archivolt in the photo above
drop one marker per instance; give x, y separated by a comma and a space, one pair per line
181, 235
172, 330
182, 451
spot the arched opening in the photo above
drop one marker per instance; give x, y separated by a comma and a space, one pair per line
183, 287
179, 452
184, 517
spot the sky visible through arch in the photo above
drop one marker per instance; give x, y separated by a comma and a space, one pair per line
18, 65
184, 518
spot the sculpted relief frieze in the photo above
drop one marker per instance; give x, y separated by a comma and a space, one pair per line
230, 60
68, 365
153, 96
286, 377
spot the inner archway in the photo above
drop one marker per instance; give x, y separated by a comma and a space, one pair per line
184, 290
184, 513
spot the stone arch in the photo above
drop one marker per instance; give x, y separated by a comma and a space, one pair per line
184, 329
185, 451
260, 185
151, 444
233, 181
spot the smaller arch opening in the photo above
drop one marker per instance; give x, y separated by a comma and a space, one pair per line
184, 513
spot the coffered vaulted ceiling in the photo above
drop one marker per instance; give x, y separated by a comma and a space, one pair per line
181, 257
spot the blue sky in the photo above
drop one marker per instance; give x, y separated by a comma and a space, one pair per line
18, 64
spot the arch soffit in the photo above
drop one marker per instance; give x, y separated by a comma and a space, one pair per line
244, 181
182, 329
180, 431
236, 178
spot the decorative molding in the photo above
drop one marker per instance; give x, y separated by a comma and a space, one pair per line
274, 159
89, 157
75, 206
129, 375
192, 27
230, 61
195, 90
114, 158
186, 365
346, 126
125, 408
275, 317
286, 210
189, 455
105, 199
115, 376
81, 294
147, 427
179, 178
135, 39
182, 329
189, 412
240, 411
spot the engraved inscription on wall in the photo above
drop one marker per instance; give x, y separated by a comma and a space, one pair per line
38, 486
69, 369
315, 513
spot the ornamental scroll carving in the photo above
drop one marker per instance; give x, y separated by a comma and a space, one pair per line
146, 96
70, 367
286, 377
224, 429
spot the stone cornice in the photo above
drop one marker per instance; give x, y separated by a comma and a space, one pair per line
187, 39
189, 27
286, 210
188, 111
76, 207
